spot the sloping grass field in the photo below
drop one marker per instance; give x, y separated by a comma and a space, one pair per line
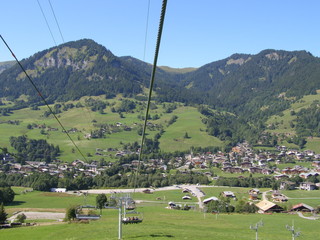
158, 221
189, 120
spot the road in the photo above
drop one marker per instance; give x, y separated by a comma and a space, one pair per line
264, 195
193, 189
309, 218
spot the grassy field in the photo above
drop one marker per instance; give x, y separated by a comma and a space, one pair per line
189, 120
311, 198
36, 199
162, 223
158, 222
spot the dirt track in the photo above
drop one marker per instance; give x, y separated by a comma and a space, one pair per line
40, 215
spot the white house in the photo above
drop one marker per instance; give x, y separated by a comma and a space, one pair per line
58, 190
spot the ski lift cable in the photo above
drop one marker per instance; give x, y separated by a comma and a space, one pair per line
44, 16
146, 33
56, 21
162, 16
43, 99
90, 119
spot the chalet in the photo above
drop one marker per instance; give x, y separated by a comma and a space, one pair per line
246, 164
253, 196
171, 205
186, 197
27, 168
77, 162
58, 189
308, 174
300, 156
286, 171
197, 160
227, 169
309, 153
270, 160
279, 198
207, 200
262, 162
266, 171
316, 164
307, 186
302, 207
268, 207
281, 176
228, 194
261, 157
236, 149
186, 190
255, 170
287, 185
233, 169
254, 191
227, 164
17, 166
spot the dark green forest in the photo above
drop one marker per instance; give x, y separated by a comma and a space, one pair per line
34, 150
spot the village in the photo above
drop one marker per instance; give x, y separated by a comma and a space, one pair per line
240, 161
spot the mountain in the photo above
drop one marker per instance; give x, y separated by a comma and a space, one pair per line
6, 65
249, 84
76, 69
253, 86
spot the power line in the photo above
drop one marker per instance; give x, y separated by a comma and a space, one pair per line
163, 12
44, 16
57, 20
43, 99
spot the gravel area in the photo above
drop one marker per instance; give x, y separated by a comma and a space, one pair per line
40, 215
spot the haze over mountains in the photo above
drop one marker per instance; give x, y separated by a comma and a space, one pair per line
243, 84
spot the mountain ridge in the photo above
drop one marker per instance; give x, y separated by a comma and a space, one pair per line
242, 83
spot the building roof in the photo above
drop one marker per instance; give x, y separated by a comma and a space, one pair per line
210, 199
265, 205
302, 205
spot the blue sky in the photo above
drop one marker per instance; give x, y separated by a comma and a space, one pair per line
196, 32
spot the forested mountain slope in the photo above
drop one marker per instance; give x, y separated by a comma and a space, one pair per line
252, 86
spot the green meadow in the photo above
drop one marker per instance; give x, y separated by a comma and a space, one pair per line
188, 121
158, 221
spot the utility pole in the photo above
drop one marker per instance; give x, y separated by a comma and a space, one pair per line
294, 233
256, 227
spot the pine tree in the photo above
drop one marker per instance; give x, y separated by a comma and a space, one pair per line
3, 214
186, 135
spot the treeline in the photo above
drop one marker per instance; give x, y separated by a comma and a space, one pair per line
37, 181
34, 150
6, 193
44, 181
308, 121
253, 182
223, 205
261, 182
228, 127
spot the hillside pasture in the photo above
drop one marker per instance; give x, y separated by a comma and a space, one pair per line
83, 119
